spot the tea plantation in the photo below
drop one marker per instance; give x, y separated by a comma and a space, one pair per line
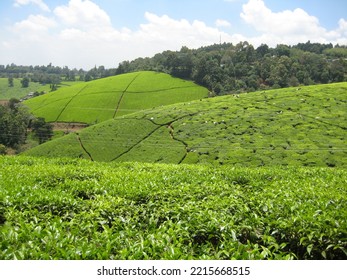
78, 209
289, 127
96, 101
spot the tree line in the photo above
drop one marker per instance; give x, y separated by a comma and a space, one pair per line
42, 74
52, 75
222, 68
15, 124
226, 68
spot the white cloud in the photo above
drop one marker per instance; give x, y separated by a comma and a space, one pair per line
80, 34
39, 3
82, 14
35, 23
342, 27
222, 23
289, 27
175, 33
283, 23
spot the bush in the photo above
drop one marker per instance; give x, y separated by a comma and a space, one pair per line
2, 150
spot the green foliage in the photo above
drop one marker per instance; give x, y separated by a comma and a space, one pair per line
294, 126
103, 99
42, 130
25, 82
2, 149
76, 209
225, 68
14, 120
10, 82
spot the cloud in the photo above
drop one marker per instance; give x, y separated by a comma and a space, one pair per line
286, 23
39, 3
222, 23
82, 14
175, 33
35, 23
289, 27
342, 27
80, 34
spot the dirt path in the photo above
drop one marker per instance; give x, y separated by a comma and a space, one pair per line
84, 149
123, 93
171, 132
68, 127
67, 104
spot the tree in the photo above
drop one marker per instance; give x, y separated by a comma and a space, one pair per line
282, 50
13, 125
2, 149
262, 50
10, 82
337, 70
25, 82
87, 77
13, 104
43, 131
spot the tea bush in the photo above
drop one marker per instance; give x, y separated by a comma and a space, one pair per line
77, 209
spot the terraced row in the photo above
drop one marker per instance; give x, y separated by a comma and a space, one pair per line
283, 127
77, 209
100, 100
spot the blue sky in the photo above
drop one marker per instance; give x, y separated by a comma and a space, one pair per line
84, 33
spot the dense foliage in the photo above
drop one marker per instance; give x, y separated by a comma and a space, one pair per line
43, 74
223, 68
295, 126
229, 68
74, 209
16, 122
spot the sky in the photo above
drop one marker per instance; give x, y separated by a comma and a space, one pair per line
88, 33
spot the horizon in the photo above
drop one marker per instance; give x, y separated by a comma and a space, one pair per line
116, 66
84, 33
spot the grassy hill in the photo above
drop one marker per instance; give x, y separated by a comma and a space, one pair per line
104, 99
77, 209
294, 126
17, 91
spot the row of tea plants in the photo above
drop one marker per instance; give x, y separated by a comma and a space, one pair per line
77, 209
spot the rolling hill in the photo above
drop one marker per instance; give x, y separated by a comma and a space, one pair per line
294, 126
96, 101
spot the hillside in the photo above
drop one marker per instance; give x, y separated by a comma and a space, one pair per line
294, 126
96, 101
75, 209
17, 91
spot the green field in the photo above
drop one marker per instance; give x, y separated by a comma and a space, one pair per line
288, 127
103, 99
77, 209
17, 91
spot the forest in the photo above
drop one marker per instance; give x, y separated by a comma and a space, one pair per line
227, 68
222, 68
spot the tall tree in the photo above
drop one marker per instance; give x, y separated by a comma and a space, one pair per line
10, 82
25, 82
42, 130
13, 125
